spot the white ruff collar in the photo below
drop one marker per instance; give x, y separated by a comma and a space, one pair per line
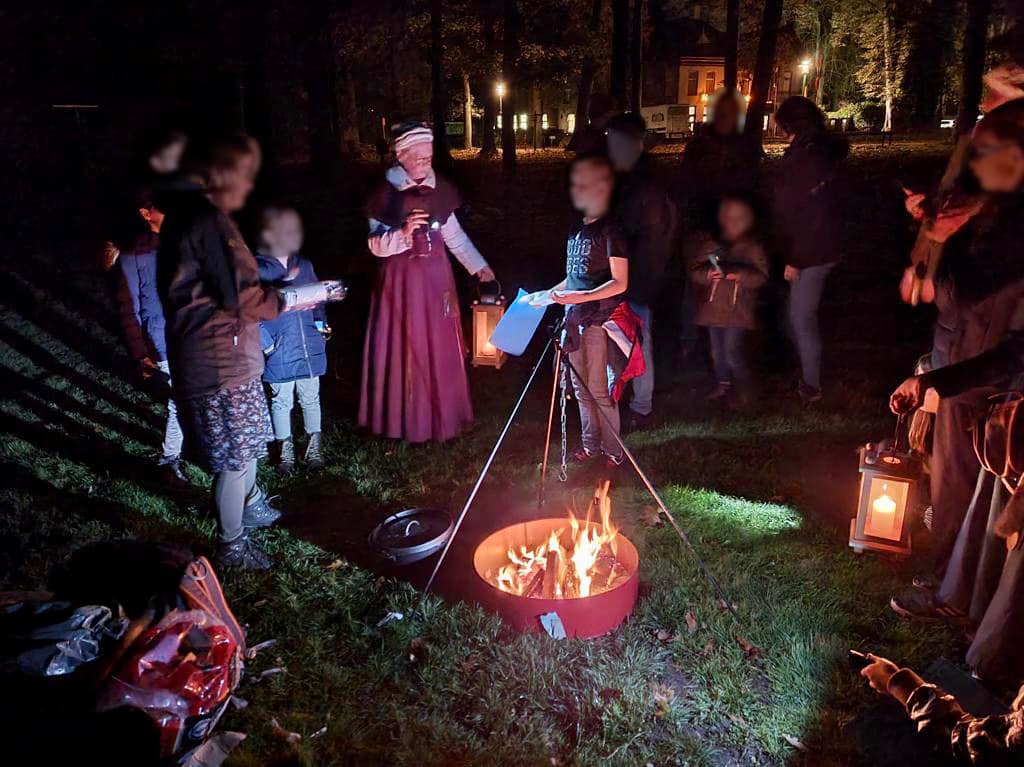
400, 180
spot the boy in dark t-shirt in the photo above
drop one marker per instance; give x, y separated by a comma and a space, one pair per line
596, 276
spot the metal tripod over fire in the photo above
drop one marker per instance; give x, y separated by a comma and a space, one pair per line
563, 367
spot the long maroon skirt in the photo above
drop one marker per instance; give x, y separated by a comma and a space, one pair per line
414, 373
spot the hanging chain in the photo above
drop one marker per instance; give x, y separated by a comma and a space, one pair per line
563, 474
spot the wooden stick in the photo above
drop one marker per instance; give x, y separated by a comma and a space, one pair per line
551, 574
535, 583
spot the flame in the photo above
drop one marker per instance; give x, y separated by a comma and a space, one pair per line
577, 561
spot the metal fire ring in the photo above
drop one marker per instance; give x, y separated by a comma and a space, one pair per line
411, 535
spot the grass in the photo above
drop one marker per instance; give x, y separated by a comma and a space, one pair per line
764, 497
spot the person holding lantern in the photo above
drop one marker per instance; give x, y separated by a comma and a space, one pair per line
982, 583
414, 384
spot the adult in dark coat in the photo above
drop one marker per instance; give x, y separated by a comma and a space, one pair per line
807, 212
647, 218
982, 582
213, 303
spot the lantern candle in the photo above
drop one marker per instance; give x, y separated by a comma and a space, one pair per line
883, 518
887, 495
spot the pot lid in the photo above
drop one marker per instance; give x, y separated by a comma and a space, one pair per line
412, 534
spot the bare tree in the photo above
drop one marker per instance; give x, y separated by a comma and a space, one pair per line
764, 67
509, 63
442, 153
636, 56
732, 34
588, 69
975, 39
488, 12
620, 50
467, 105
889, 57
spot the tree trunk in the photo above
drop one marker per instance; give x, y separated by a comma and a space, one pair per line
636, 55
538, 127
488, 148
975, 39
763, 68
509, 61
442, 153
620, 51
887, 54
322, 107
467, 98
348, 113
588, 69
732, 34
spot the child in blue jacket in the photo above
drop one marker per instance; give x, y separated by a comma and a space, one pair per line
294, 343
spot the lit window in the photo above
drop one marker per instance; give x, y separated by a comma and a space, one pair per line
524, 122
691, 117
570, 122
692, 83
544, 121
787, 83
709, 83
499, 121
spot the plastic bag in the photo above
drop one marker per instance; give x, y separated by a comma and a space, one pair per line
55, 638
181, 672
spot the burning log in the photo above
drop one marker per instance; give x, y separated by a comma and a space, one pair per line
534, 587
551, 589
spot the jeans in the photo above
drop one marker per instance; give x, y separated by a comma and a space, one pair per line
173, 436
804, 299
642, 401
282, 399
232, 492
591, 362
727, 354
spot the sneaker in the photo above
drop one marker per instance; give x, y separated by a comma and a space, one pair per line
286, 458
172, 463
313, 458
808, 394
242, 553
925, 583
611, 462
922, 605
582, 456
635, 421
720, 392
260, 514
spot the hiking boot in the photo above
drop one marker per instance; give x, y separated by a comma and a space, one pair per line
242, 553
808, 394
922, 605
286, 457
172, 464
260, 514
313, 458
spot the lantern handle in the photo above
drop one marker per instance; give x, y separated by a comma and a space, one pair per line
479, 288
896, 435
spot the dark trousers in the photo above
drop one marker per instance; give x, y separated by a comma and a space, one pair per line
727, 354
987, 582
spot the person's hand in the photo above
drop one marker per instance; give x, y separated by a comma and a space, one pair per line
415, 220
914, 203
951, 218
568, 297
486, 275
908, 395
791, 273
147, 368
732, 277
293, 274
879, 672
714, 275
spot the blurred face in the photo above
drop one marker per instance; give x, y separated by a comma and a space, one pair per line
153, 217
726, 119
998, 163
417, 160
230, 187
167, 159
735, 220
284, 234
623, 150
590, 187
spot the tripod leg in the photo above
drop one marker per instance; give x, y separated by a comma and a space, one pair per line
551, 421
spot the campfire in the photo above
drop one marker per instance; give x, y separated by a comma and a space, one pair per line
579, 566
578, 560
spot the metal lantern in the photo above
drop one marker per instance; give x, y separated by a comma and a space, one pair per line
888, 490
487, 312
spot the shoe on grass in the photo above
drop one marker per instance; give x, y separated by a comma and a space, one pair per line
172, 463
313, 458
286, 456
242, 553
582, 456
260, 514
721, 392
922, 605
808, 394
635, 421
612, 463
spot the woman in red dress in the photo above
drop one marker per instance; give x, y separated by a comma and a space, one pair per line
414, 376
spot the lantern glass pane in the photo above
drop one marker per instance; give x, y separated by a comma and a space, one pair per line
885, 507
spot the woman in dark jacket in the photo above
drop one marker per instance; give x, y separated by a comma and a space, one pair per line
807, 209
213, 304
983, 583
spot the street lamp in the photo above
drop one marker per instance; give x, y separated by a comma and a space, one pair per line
805, 68
500, 90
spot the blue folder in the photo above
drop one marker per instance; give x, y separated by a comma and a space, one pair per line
517, 326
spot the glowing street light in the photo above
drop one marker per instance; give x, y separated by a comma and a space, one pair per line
499, 88
805, 68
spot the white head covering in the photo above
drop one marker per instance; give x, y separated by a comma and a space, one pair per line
421, 134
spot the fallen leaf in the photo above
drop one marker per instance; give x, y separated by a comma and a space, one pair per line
281, 733
417, 651
651, 516
752, 652
691, 621
663, 696
724, 606
336, 564
738, 719
609, 694
795, 742
664, 635
276, 671
709, 648
261, 603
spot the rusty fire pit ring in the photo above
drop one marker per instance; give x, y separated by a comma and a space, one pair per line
582, 617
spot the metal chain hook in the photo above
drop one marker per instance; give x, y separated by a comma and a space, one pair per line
563, 474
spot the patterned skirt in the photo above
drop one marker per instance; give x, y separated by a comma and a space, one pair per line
229, 428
